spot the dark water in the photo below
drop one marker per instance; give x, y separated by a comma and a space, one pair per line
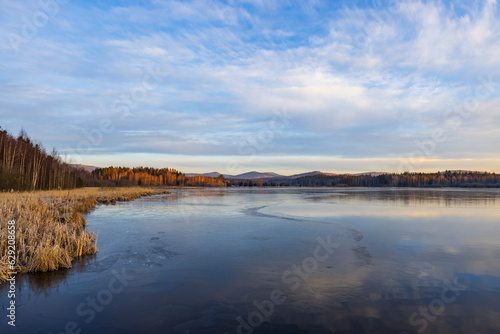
279, 261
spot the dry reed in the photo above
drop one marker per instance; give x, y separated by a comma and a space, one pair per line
50, 227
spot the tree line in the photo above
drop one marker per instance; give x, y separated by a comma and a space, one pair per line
468, 179
25, 165
152, 177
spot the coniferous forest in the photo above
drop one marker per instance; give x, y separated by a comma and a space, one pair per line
464, 179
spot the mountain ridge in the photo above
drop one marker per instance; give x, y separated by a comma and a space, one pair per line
254, 175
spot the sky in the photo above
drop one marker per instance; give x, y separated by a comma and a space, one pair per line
232, 86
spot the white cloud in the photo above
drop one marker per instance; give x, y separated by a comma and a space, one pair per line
347, 75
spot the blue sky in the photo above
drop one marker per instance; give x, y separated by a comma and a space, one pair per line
234, 86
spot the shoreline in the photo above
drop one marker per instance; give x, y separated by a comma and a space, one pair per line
50, 227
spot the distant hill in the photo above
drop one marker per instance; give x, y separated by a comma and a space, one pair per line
305, 174
254, 175
211, 174
247, 176
371, 173
87, 168
310, 174
461, 171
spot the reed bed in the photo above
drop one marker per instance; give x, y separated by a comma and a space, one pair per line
50, 226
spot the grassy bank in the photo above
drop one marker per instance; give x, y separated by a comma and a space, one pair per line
50, 227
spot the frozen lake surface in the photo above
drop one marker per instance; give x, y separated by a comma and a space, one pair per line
288, 260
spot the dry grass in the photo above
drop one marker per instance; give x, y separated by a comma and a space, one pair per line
50, 227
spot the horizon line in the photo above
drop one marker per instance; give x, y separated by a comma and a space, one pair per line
300, 172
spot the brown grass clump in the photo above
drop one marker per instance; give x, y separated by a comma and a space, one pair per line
3, 271
50, 226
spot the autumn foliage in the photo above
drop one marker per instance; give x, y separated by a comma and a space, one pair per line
153, 177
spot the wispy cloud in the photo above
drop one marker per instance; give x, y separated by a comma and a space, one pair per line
362, 81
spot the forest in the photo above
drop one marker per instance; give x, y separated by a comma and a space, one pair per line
25, 165
125, 176
466, 179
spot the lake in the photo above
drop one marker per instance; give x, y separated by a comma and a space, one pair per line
279, 260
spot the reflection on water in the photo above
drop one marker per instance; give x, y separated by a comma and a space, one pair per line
213, 261
45, 284
416, 197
